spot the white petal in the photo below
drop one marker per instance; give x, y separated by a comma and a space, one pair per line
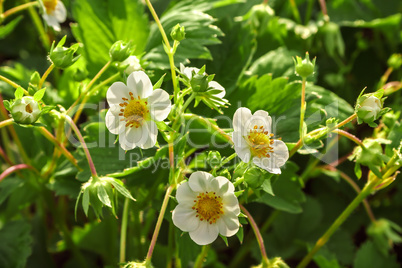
112, 122
231, 204
241, 119
188, 71
51, 21
260, 118
151, 135
139, 83
239, 140
184, 194
159, 104
205, 233
281, 153
116, 92
124, 143
243, 153
184, 217
199, 181
216, 85
225, 184
60, 12
268, 164
228, 224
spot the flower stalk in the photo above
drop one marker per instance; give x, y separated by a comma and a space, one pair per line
258, 235
201, 257
13, 169
302, 109
6, 122
84, 146
13, 84
159, 224
45, 75
123, 232
16, 9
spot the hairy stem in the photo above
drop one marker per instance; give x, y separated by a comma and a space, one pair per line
13, 169
84, 146
302, 109
19, 8
45, 75
123, 232
257, 235
159, 223
11, 83
201, 257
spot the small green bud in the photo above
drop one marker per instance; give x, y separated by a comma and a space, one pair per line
214, 159
254, 177
178, 33
25, 110
304, 68
370, 154
395, 61
369, 107
35, 78
199, 82
120, 51
63, 57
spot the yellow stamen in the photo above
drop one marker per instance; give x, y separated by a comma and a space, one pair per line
260, 142
208, 206
135, 111
50, 5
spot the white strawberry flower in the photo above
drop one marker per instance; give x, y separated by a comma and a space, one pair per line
54, 13
207, 207
131, 64
253, 140
134, 109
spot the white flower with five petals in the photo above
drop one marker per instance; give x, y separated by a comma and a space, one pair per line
134, 108
54, 13
253, 140
207, 207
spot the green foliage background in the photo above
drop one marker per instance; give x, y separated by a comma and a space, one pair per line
250, 52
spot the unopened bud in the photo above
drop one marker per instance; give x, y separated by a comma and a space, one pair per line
25, 110
178, 33
120, 51
304, 68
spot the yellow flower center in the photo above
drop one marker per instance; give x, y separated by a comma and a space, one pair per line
50, 5
260, 142
135, 111
208, 206
28, 108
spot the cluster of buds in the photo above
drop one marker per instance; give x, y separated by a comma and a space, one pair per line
100, 192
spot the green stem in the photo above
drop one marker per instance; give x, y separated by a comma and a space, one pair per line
257, 235
295, 11
123, 233
169, 51
349, 136
17, 9
201, 257
60, 146
182, 110
302, 109
159, 224
14, 85
384, 77
84, 146
335, 225
45, 75
87, 91
323, 6
6, 122
39, 27
225, 161
310, 5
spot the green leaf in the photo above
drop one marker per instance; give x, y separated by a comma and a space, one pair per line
240, 235
288, 194
121, 189
9, 27
326, 259
103, 196
85, 201
162, 126
16, 242
267, 187
369, 257
39, 94
160, 81
100, 25
7, 105
19, 93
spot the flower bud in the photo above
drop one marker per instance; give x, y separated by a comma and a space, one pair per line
395, 61
199, 82
304, 68
25, 110
131, 64
214, 159
63, 57
254, 177
120, 51
35, 78
80, 74
369, 107
178, 33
